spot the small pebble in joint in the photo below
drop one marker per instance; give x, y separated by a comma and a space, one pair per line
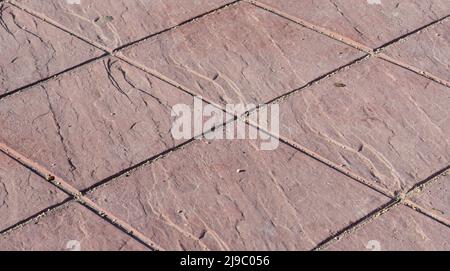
109, 18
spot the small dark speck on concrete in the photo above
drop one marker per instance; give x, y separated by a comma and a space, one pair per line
340, 85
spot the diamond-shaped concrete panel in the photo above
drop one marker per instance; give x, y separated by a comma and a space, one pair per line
32, 49
92, 122
114, 23
377, 120
214, 195
230, 58
370, 22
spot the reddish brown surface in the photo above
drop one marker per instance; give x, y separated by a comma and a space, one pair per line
91, 123
114, 23
427, 50
371, 22
386, 124
32, 50
23, 193
291, 204
251, 58
436, 197
399, 229
58, 229
358, 133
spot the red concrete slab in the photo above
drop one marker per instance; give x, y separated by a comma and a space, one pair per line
436, 197
23, 193
230, 195
114, 23
377, 120
92, 122
371, 22
71, 228
374, 119
231, 58
427, 50
32, 50
399, 229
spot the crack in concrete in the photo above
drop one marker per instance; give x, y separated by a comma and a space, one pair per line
59, 133
2, 22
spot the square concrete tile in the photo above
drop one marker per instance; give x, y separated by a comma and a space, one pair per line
23, 193
370, 22
91, 123
400, 229
32, 49
436, 197
114, 23
377, 120
230, 58
229, 195
427, 50
71, 228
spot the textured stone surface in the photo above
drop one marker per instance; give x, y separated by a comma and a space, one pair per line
23, 193
427, 50
32, 50
114, 23
399, 229
371, 22
58, 230
436, 197
377, 120
231, 195
92, 122
228, 57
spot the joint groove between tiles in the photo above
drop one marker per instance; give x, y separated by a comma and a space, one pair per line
79, 197
329, 164
51, 77
377, 52
403, 199
412, 33
424, 211
419, 187
191, 20
318, 80
347, 231
285, 141
50, 21
413, 69
108, 51
321, 30
38, 215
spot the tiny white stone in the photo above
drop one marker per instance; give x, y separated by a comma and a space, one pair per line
73, 2
374, 2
